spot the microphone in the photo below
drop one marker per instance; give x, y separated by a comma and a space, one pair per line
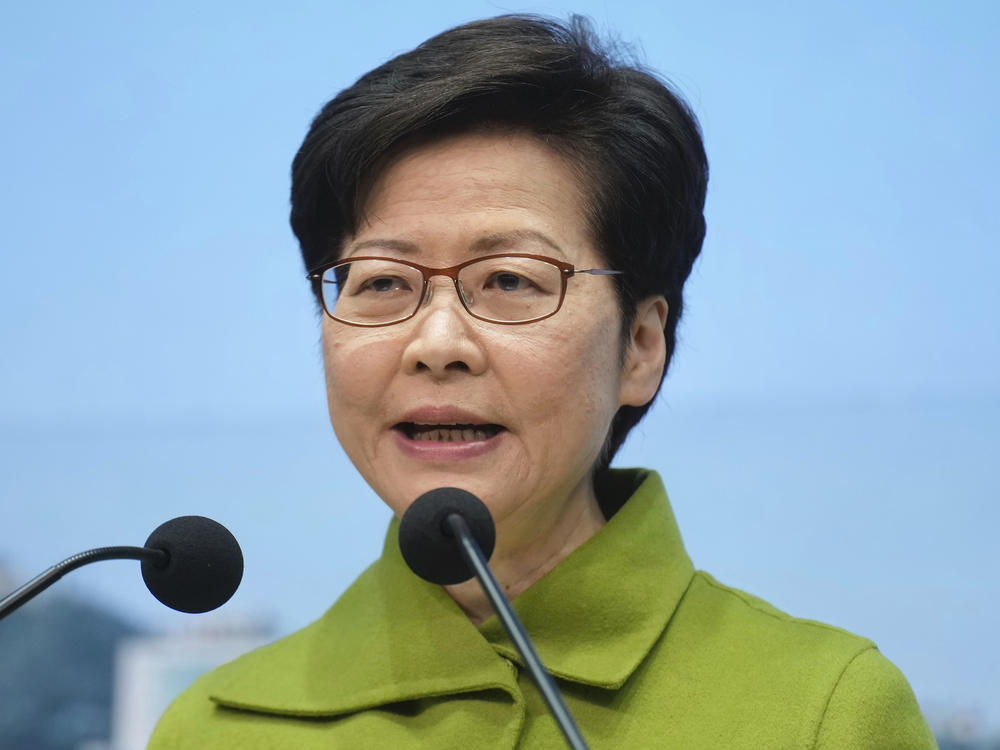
429, 546
204, 564
191, 564
442, 537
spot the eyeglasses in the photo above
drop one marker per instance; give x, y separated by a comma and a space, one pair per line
507, 289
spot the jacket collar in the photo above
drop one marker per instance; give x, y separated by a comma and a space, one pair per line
596, 615
392, 637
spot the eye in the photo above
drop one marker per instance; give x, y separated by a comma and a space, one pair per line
384, 284
507, 281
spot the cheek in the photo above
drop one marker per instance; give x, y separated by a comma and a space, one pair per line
354, 368
569, 375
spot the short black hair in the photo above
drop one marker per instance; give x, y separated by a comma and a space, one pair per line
634, 140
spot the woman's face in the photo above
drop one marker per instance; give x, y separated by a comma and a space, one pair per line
515, 414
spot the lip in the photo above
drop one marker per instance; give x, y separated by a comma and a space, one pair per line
431, 450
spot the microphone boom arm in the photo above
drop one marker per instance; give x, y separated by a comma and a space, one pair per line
39, 583
477, 563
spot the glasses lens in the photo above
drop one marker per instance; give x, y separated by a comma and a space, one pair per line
509, 289
371, 292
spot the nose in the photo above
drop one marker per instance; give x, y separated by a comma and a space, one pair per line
444, 339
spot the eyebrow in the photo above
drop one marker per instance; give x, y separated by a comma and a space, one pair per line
499, 240
488, 243
403, 246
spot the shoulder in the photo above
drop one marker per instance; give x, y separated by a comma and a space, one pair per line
192, 708
195, 720
872, 706
752, 657
297, 675
202, 716
846, 693
725, 611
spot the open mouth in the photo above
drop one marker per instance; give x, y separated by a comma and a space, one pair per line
448, 433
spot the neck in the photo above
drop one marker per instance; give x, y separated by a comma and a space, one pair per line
518, 565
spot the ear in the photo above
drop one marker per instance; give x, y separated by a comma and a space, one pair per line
646, 355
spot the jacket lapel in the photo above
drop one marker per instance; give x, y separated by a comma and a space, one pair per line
391, 637
596, 615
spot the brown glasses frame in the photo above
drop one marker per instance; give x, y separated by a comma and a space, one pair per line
566, 271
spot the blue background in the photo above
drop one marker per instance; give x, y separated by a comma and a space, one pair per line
830, 428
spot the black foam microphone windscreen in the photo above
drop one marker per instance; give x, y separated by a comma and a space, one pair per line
204, 568
428, 545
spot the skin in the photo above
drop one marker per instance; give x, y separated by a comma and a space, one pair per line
554, 385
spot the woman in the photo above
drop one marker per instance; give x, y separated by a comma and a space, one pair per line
499, 225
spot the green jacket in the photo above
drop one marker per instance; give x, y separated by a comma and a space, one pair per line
648, 653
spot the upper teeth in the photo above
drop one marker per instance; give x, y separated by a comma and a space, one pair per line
445, 433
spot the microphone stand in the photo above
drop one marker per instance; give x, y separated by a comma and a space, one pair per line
473, 557
39, 583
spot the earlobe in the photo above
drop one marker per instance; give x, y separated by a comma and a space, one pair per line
646, 355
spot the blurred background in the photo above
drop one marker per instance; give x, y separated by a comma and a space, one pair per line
825, 433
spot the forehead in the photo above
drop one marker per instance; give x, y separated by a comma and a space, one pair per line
477, 192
